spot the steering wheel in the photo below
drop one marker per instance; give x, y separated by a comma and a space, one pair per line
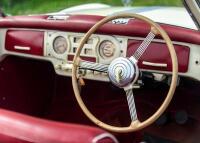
124, 72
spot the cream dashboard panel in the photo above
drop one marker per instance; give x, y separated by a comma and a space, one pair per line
99, 48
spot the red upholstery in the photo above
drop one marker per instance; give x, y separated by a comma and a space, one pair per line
16, 127
8, 139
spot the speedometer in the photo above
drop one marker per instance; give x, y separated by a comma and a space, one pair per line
60, 45
106, 49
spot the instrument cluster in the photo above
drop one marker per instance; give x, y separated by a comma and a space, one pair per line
60, 48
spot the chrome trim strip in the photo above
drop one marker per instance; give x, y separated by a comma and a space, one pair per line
163, 65
22, 48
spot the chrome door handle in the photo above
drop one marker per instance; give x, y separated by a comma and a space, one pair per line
163, 65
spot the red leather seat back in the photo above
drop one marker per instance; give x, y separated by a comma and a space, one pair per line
15, 127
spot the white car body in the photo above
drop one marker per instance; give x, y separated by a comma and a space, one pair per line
177, 16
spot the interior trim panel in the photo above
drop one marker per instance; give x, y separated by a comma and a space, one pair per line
157, 53
25, 41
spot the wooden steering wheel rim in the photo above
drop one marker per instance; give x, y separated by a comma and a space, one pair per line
136, 125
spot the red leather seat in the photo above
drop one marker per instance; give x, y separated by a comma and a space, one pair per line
16, 127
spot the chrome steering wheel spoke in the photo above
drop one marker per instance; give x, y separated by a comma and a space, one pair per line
93, 66
143, 47
131, 104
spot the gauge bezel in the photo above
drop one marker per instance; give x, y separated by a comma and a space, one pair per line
101, 49
49, 50
117, 53
54, 46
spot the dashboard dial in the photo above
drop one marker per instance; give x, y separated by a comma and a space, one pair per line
60, 45
106, 49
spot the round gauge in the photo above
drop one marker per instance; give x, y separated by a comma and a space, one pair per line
60, 45
106, 49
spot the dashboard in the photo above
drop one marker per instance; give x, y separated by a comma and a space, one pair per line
58, 45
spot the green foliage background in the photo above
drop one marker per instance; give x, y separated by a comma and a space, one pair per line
19, 7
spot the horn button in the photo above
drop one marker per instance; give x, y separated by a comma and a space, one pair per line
123, 71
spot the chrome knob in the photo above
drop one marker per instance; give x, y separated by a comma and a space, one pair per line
122, 72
